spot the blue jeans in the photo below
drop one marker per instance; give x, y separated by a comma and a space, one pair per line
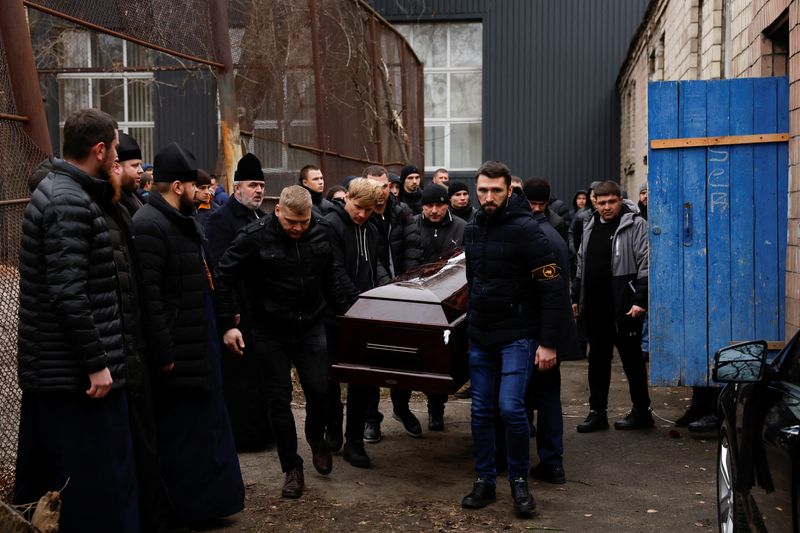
513, 363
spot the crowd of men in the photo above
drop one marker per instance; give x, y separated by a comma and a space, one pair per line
160, 320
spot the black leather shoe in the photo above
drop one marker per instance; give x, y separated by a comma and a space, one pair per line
435, 422
524, 504
595, 421
692, 414
321, 457
355, 454
293, 486
372, 433
334, 437
409, 421
636, 419
483, 493
707, 424
550, 473
465, 392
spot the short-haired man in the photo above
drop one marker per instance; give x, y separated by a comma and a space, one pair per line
243, 378
431, 235
516, 182
198, 456
285, 261
460, 203
218, 193
537, 190
129, 156
515, 293
312, 180
441, 177
145, 184
411, 188
610, 294
74, 433
358, 268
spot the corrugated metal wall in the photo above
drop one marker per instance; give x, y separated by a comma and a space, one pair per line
550, 104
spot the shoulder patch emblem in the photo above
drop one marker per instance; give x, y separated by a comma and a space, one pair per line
545, 272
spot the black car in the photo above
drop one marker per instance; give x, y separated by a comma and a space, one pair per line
758, 481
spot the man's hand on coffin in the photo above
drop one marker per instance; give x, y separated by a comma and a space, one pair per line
234, 341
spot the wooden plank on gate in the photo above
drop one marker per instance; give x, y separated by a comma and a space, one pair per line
782, 214
692, 170
766, 225
666, 265
743, 317
718, 221
718, 140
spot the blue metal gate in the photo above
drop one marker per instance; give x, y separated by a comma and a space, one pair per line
718, 221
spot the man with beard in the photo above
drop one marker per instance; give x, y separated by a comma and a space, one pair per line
285, 264
74, 430
198, 456
460, 204
312, 180
410, 189
129, 156
243, 377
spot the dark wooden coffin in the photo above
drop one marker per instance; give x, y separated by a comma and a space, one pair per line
410, 334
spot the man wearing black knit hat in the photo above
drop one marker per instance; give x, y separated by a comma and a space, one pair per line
460, 203
243, 380
410, 190
537, 190
195, 442
129, 156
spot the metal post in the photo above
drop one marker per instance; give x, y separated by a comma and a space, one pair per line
229, 126
22, 69
373, 45
319, 90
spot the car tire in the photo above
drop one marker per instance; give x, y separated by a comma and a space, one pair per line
730, 506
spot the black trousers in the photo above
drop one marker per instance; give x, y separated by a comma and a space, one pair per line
401, 397
626, 335
307, 350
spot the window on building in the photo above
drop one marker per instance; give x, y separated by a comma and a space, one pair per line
94, 77
453, 57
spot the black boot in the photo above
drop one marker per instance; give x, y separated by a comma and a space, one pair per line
355, 454
636, 419
595, 421
523, 499
483, 493
707, 424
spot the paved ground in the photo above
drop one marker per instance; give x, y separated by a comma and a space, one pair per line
617, 481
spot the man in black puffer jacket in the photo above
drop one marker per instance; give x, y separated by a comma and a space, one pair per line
285, 262
515, 298
198, 456
312, 180
71, 353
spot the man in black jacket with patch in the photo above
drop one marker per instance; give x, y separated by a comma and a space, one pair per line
71, 355
515, 296
285, 262
243, 378
198, 455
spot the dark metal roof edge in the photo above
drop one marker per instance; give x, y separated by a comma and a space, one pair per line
651, 7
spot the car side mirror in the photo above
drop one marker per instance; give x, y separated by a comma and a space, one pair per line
740, 363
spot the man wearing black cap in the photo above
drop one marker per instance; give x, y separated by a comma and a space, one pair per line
243, 378
431, 235
537, 190
460, 203
204, 207
311, 179
198, 456
410, 192
129, 156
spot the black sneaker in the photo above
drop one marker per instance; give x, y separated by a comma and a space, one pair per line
707, 424
321, 457
595, 421
483, 493
293, 486
550, 473
524, 504
692, 414
409, 421
435, 422
636, 419
334, 437
372, 433
355, 454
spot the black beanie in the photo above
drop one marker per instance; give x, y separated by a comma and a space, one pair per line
174, 162
248, 169
456, 186
434, 194
537, 190
203, 178
407, 171
128, 148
